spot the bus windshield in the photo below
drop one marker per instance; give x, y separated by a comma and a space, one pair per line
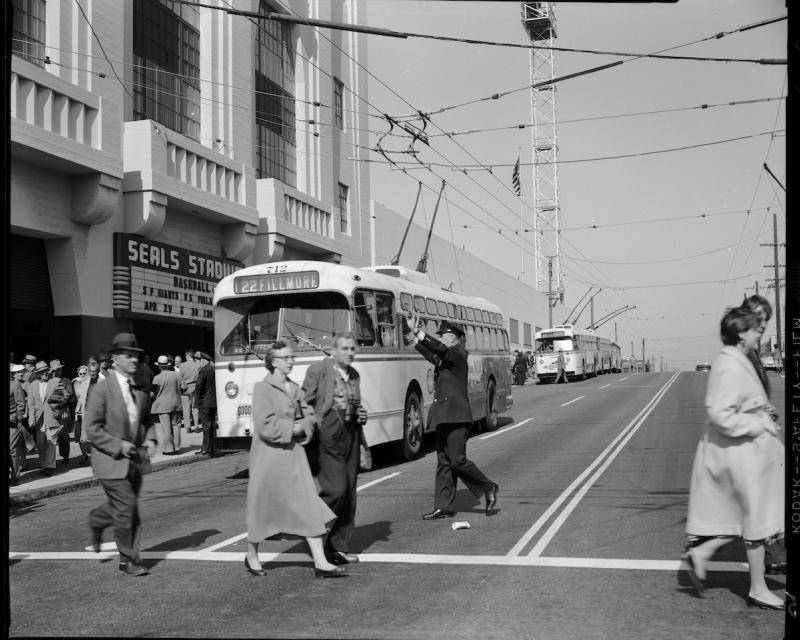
309, 319
547, 345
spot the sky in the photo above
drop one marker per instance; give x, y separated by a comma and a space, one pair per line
677, 234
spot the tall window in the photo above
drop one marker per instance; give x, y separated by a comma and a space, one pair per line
338, 103
275, 116
28, 38
166, 72
344, 214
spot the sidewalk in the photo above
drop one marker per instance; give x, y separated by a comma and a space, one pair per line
69, 477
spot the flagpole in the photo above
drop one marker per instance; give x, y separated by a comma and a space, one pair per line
521, 228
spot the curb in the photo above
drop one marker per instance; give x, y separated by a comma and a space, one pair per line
26, 497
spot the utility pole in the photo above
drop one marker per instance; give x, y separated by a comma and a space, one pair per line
615, 333
661, 366
776, 280
746, 289
643, 358
633, 358
550, 290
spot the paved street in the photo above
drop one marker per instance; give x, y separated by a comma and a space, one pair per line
585, 544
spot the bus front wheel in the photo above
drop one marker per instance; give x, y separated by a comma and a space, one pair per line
412, 427
489, 422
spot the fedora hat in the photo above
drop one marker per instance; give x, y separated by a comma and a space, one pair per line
125, 341
55, 364
445, 326
16, 368
162, 361
41, 366
201, 355
29, 358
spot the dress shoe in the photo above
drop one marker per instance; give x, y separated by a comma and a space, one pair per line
96, 541
755, 602
438, 513
491, 497
340, 558
63, 461
336, 572
133, 569
254, 572
691, 568
46, 472
202, 452
771, 568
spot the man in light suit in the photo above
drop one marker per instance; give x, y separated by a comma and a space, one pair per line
123, 438
450, 415
41, 417
332, 388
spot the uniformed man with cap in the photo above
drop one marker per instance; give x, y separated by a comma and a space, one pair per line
451, 416
205, 400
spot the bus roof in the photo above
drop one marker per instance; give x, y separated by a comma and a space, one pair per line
345, 278
565, 330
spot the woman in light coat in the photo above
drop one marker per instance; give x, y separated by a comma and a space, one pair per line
281, 494
737, 486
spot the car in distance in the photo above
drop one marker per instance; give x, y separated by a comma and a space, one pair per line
769, 362
703, 366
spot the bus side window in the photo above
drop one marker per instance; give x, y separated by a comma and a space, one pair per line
364, 307
386, 325
470, 338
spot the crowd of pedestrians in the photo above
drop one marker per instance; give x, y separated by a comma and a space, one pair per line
48, 409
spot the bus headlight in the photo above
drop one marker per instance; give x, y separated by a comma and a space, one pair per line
231, 389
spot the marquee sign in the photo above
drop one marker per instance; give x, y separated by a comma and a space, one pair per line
157, 281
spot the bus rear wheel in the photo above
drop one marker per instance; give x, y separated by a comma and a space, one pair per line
489, 421
412, 427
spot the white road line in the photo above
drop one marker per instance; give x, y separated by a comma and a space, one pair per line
604, 386
523, 541
241, 536
571, 401
631, 429
374, 482
513, 426
625, 378
225, 543
634, 564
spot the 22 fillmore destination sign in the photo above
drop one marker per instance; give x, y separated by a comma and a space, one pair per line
154, 280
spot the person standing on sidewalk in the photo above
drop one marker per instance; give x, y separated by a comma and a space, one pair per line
166, 403
451, 416
206, 402
82, 389
188, 370
29, 362
42, 419
123, 437
62, 400
17, 404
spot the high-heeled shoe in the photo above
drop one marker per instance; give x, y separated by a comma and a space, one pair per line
254, 572
755, 602
336, 572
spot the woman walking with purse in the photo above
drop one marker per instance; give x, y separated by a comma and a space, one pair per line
737, 486
281, 495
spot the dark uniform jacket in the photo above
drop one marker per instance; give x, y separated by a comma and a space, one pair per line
450, 400
206, 391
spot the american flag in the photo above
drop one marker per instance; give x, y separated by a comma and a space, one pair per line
515, 179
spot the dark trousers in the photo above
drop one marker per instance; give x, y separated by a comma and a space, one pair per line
16, 450
452, 464
121, 511
207, 415
63, 438
338, 468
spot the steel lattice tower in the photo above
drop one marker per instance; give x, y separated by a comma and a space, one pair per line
539, 21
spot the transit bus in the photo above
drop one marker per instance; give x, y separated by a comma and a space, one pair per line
585, 353
310, 302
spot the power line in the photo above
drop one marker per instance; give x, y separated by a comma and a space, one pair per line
102, 48
610, 117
